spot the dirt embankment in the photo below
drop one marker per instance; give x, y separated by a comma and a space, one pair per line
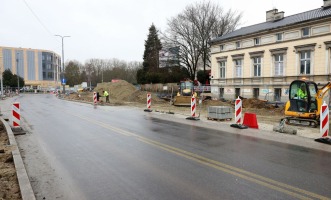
9, 188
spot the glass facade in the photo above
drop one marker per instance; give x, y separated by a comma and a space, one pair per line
37, 67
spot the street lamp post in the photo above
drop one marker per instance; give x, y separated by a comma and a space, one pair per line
63, 81
18, 78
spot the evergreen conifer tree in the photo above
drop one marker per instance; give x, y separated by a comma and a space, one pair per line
150, 70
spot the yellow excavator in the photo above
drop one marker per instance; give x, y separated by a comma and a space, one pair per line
304, 105
185, 92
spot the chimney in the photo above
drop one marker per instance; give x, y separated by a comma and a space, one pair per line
279, 16
270, 15
274, 15
327, 3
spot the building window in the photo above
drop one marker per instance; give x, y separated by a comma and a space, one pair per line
221, 92
256, 41
279, 64
305, 32
305, 62
278, 94
238, 67
279, 37
50, 75
257, 66
49, 66
237, 92
256, 93
222, 47
222, 69
237, 45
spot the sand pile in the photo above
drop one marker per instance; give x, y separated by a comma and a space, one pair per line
124, 91
118, 90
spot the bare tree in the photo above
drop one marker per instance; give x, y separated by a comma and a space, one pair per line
193, 29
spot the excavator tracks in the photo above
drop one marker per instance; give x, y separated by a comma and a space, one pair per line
301, 121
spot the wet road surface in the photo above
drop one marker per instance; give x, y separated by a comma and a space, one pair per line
110, 152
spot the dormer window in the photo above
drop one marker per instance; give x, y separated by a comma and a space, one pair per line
238, 45
305, 32
279, 37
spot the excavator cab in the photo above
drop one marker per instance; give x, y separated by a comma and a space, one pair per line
186, 88
302, 96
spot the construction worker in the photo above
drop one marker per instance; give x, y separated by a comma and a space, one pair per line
105, 94
302, 92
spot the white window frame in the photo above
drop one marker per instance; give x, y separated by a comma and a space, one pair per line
257, 66
257, 41
305, 61
303, 32
238, 45
237, 67
222, 47
222, 67
279, 37
279, 64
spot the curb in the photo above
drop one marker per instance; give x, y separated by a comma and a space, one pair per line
22, 176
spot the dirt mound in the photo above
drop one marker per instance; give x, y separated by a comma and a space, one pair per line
254, 103
124, 91
118, 90
119, 93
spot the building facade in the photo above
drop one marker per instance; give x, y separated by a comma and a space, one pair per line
260, 61
39, 68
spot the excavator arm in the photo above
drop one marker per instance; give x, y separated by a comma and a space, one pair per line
321, 92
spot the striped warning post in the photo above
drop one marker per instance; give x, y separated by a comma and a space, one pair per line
324, 125
238, 110
94, 98
149, 100
16, 117
193, 106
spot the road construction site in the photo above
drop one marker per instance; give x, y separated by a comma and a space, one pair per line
268, 115
123, 93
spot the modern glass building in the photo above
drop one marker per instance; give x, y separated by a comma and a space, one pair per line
39, 68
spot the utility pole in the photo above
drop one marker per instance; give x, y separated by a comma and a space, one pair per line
18, 78
63, 81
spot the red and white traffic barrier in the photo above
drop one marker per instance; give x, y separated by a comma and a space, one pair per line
324, 125
149, 100
193, 106
94, 98
238, 111
16, 117
149, 103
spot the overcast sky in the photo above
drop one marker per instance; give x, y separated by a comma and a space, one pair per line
107, 29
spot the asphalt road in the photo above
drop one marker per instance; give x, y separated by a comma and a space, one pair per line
110, 152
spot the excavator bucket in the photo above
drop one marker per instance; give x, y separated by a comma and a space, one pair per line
182, 101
